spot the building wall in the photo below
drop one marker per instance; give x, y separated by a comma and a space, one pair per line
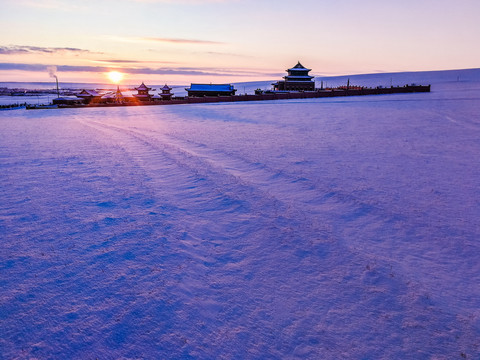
295, 86
210, 93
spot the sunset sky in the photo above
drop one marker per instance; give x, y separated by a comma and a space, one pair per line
184, 41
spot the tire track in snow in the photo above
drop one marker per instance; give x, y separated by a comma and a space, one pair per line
342, 217
201, 168
192, 257
316, 211
331, 214
298, 195
276, 228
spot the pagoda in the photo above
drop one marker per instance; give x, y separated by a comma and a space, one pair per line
166, 94
119, 99
143, 94
296, 80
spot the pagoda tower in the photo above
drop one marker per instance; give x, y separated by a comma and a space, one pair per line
166, 94
119, 99
143, 94
296, 80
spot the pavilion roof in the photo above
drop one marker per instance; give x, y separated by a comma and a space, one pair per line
300, 77
143, 87
299, 67
85, 93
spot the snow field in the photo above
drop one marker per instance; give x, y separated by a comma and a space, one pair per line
301, 229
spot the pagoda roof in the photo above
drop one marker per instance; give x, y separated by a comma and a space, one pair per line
295, 77
299, 67
166, 87
143, 87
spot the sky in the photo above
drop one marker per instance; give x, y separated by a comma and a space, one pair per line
223, 41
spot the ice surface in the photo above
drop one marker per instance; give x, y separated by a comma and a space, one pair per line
297, 229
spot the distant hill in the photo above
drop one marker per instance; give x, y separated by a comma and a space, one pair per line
402, 78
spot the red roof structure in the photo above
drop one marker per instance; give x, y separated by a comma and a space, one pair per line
143, 87
166, 94
143, 94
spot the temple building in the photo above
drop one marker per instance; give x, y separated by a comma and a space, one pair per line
143, 94
166, 94
89, 96
211, 90
68, 100
296, 80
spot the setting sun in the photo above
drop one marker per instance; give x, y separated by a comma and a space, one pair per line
115, 76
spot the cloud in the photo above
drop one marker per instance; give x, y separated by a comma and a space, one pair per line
144, 70
217, 53
166, 40
24, 67
116, 61
181, 41
121, 61
22, 49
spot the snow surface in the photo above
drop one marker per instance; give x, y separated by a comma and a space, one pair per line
343, 228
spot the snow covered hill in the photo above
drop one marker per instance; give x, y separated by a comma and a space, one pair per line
342, 228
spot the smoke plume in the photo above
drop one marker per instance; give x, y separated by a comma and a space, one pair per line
52, 70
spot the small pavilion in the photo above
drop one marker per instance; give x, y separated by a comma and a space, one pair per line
143, 93
166, 93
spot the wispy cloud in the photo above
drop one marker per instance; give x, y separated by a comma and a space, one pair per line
24, 67
181, 41
22, 49
131, 62
143, 70
166, 40
217, 53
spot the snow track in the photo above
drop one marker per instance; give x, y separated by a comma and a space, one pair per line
226, 231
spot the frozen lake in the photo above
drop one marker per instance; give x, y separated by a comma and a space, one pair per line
300, 229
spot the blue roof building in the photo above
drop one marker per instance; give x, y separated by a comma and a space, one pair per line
211, 90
